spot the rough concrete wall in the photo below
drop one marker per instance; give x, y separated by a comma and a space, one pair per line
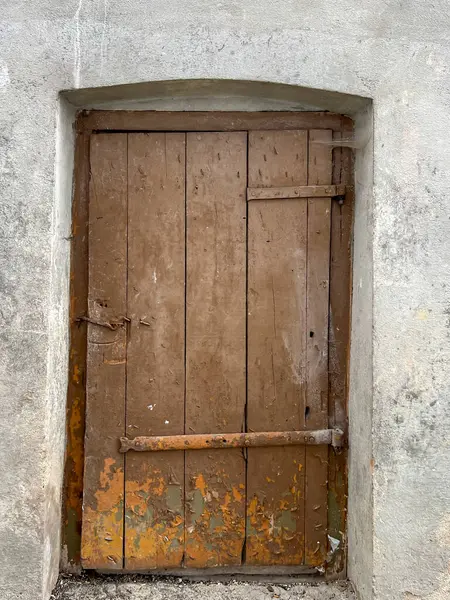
28, 107
57, 341
411, 415
33, 315
396, 53
360, 496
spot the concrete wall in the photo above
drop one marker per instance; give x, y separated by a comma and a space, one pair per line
396, 53
360, 495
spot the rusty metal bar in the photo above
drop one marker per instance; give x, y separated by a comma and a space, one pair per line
335, 437
298, 191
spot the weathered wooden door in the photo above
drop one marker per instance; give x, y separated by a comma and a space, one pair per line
209, 294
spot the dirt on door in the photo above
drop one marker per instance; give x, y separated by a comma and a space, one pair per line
216, 342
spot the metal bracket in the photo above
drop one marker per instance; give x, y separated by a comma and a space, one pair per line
333, 437
298, 191
337, 438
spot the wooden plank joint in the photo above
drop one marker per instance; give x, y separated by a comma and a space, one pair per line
298, 191
333, 437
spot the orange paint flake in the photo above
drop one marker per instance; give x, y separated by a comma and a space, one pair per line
76, 374
200, 484
102, 537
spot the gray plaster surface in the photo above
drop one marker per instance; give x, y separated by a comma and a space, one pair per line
395, 53
360, 493
127, 589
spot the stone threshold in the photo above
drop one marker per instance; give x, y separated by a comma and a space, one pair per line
139, 587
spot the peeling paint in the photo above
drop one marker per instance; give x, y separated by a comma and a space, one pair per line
215, 520
74, 486
270, 537
154, 521
102, 538
275, 526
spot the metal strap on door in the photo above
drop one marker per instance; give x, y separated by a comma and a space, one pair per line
299, 191
333, 437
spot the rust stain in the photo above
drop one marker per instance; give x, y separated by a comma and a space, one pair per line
76, 374
102, 538
74, 467
74, 483
76, 398
224, 440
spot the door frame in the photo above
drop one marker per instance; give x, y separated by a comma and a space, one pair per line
88, 122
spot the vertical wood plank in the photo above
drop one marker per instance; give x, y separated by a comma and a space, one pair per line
102, 535
276, 348
339, 338
215, 344
316, 465
154, 488
76, 389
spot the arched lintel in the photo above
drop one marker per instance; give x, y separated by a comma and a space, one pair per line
214, 94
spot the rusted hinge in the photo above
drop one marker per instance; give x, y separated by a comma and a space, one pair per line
333, 437
298, 191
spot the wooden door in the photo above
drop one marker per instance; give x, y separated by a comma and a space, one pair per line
212, 364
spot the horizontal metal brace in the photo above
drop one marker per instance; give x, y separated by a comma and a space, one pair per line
333, 437
298, 191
